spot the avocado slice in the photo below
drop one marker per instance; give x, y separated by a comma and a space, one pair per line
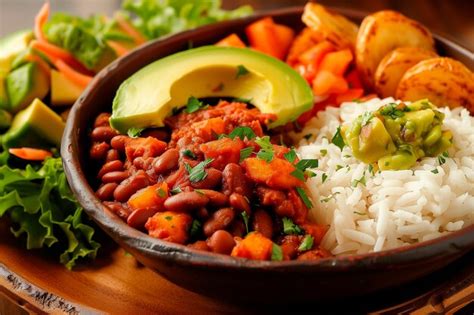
11, 46
24, 84
35, 126
63, 91
149, 96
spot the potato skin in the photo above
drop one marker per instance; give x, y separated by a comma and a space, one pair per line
444, 81
382, 32
394, 65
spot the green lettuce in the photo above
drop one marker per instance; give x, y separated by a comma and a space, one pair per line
156, 18
42, 208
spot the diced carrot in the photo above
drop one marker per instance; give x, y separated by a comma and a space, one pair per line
349, 96
270, 38
40, 20
275, 174
30, 154
169, 226
336, 62
285, 36
316, 53
317, 231
207, 129
306, 39
326, 83
353, 79
151, 197
118, 48
128, 28
222, 151
76, 77
254, 246
144, 147
233, 40
43, 65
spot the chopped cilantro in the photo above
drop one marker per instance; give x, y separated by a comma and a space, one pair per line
338, 167
195, 229
168, 218
324, 177
193, 105
245, 218
198, 172
266, 148
435, 171
299, 174
337, 139
242, 132
277, 253
290, 156
309, 135
323, 152
307, 202
307, 243
392, 111
176, 190
310, 173
161, 193
241, 70
360, 213
189, 153
307, 163
289, 227
328, 198
135, 132
245, 153
356, 182
371, 169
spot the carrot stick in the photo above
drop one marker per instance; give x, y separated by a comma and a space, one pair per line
128, 28
41, 63
231, 41
40, 20
30, 154
119, 48
76, 77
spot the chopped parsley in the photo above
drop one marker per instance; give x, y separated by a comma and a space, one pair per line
338, 167
306, 244
245, 218
337, 139
356, 182
435, 171
176, 190
189, 153
290, 156
392, 111
241, 71
323, 152
134, 132
371, 169
245, 153
289, 227
196, 228
198, 173
161, 193
324, 177
194, 105
277, 253
307, 202
310, 173
266, 148
307, 163
442, 158
242, 132
328, 198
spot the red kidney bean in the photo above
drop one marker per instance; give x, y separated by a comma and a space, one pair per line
130, 186
112, 155
216, 199
218, 221
221, 242
262, 222
99, 150
102, 120
289, 246
200, 245
103, 133
186, 201
138, 218
112, 166
115, 177
234, 180
118, 209
213, 178
202, 213
166, 162
118, 142
237, 228
106, 192
239, 203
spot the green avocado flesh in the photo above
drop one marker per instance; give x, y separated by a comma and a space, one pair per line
150, 95
11, 46
36, 126
397, 135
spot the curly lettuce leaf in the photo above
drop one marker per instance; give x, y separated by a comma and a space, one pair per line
43, 208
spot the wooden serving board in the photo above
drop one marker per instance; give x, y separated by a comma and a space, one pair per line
33, 282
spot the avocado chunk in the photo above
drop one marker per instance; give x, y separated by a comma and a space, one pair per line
11, 46
36, 126
24, 84
150, 95
63, 91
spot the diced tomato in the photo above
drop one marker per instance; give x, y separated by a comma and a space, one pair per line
317, 231
336, 62
169, 226
233, 40
209, 128
316, 53
301, 211
151, 197
270, 38
353, 79
144, 147
326, 83
275, 174
254, 246
223, 151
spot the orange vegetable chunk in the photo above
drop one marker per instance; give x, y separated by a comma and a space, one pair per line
270, 38
349, 96
315, 54
275, 174
326, 83
223, 151
144, 147
30, 154
209, 128
151, 197
233, 40
254, 246
169, 226
336, 62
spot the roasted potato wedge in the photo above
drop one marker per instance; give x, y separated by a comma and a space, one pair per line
334, 27
394, 65
382, 32
444, 81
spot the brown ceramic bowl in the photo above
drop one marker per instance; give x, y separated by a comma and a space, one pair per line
224, 276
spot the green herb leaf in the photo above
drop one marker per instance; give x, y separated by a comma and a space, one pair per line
245, 153
168, 218
309, 135
323, 152
307, 243
198, 173
371, 169
196, 229
193, 105
176, 190
266, 148
299, 174
391, 111
337, 139
245, 218
161, 193
360, 213
356, 182
242, 132
307, 202
289, 227
290, 156
277, 253
328, 198
307, 163
189, 153
134, 132
241, 71
366, 118
435, 171
324, 177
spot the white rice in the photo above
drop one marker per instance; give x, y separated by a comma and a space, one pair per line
392, 208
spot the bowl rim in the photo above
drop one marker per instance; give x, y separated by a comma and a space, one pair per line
137, 241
